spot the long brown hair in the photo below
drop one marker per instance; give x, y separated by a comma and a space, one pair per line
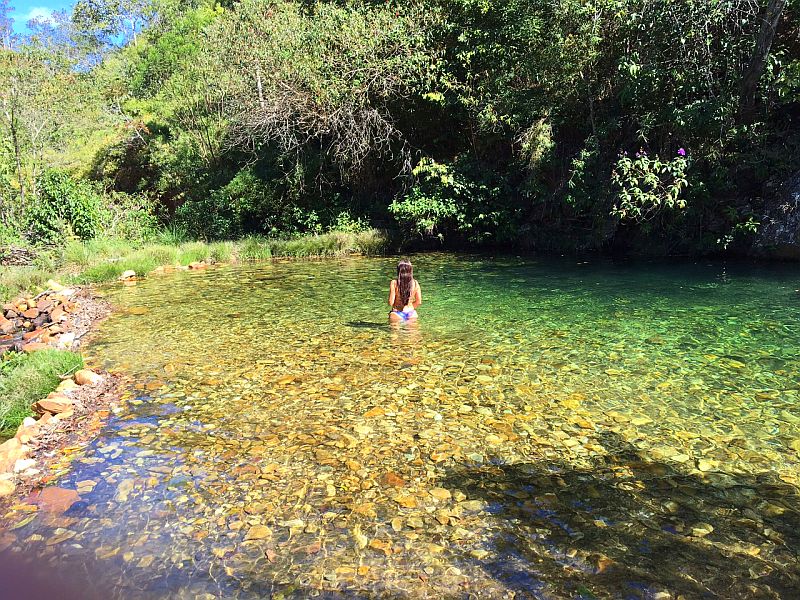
405, 280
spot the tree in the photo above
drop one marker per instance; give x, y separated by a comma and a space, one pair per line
752, 75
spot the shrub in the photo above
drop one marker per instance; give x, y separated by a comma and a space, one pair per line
64, 205
130, 217
453, 198
247, 204
646, 185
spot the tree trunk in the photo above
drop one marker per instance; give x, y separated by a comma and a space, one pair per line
258, 84
12, 126
15, 139
754, 70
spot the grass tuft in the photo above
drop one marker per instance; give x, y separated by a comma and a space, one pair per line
192, 252
26, 378
16, 280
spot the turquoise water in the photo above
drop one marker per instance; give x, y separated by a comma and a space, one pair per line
551, 428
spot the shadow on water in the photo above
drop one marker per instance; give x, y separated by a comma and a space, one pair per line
628, 528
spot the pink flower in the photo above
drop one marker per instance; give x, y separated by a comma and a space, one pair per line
681, 152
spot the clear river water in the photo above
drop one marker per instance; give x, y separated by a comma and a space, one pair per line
551, 428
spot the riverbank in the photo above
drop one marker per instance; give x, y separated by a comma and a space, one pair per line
41, 352
105, 259
47, 397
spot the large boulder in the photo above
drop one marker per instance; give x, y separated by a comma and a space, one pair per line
779, 233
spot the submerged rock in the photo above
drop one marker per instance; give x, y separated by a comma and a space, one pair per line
7, 488
54, 499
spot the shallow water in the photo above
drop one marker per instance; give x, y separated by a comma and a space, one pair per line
550, 429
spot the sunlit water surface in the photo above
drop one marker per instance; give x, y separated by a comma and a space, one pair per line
550, 429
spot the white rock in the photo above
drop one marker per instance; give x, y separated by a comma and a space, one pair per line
66, 340
87, 377
129, 274
23, 463
28, 422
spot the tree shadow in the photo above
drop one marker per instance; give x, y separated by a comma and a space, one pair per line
629, 527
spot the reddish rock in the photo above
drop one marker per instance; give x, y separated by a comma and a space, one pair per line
57, 314
54, 499
6, 326
31, 313
393, 480
44, 304
32, 335
26, 429
10, 451
196, 266
34, 346
57, 404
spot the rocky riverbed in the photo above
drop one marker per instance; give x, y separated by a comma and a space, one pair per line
564, 443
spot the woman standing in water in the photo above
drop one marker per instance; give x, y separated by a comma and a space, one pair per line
405, 294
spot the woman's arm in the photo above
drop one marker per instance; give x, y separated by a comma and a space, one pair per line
392, 292
417, 296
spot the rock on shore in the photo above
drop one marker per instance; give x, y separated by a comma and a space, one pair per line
32, 323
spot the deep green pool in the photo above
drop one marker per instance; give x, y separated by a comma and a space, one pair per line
552, 428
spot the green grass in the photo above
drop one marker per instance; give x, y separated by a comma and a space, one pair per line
15, 280
105, 259
255, 248
333, 244
26, 378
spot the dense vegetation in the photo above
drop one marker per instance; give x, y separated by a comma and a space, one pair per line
637, 124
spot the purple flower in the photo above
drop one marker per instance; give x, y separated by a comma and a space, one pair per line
681, 152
